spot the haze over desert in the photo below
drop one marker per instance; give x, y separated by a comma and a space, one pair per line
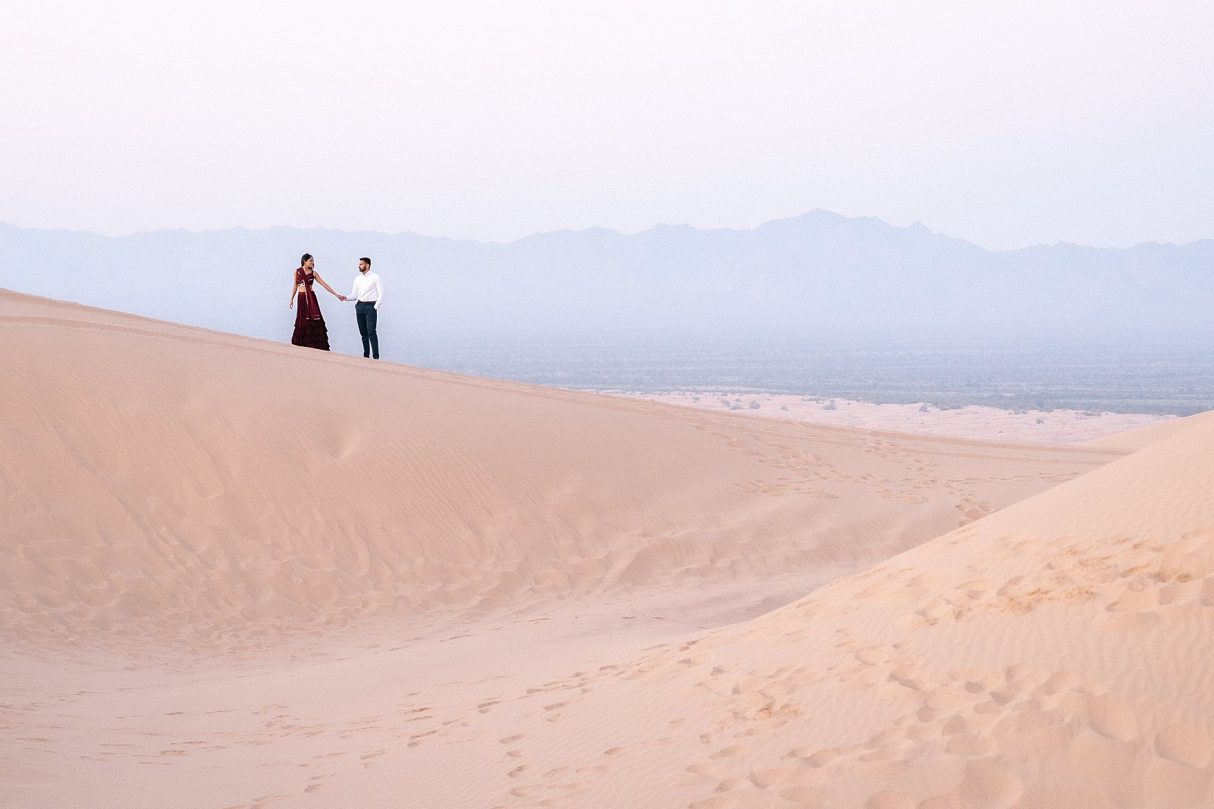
231, 584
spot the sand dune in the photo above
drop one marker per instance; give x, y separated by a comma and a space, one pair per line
1140, 437
163, 480
246, 574
972, 421
1058, 653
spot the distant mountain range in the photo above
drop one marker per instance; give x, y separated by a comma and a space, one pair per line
818, 275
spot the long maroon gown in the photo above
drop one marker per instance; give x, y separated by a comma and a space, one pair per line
310, 330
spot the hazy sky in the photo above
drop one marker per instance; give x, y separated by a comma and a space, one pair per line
1003, 123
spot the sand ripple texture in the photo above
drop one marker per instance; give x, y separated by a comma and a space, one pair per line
241, 574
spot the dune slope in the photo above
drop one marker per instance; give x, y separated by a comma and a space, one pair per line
163, 482
242, 574
1058, 653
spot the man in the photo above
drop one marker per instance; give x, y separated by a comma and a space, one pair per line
368, 294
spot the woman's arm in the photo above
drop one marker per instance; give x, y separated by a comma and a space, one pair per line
321, 281
294, 289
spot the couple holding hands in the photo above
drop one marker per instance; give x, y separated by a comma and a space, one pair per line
367, 293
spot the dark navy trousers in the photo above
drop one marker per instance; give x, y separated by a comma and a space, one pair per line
366, 314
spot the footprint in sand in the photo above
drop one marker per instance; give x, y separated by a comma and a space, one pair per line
1185, 744
709, 769
814, 757
1112, 718
732, 751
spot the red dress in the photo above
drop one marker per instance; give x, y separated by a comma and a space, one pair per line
310, 330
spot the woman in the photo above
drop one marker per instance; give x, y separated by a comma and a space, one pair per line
310, 330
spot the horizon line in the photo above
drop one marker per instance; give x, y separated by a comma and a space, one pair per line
916, 226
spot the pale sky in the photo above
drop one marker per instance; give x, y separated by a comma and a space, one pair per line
1006, 123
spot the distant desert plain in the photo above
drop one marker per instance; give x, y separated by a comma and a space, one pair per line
244, 575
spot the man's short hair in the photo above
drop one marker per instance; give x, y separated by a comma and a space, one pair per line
304, 259
364, 258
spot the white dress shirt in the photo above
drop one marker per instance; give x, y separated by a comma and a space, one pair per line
367, 289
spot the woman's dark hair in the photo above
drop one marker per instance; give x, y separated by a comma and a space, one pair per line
304, 259
364, 258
